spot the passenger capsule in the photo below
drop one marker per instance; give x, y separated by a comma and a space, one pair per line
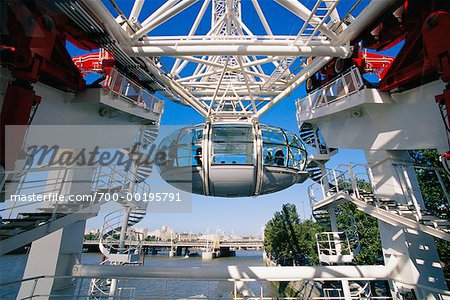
231, 159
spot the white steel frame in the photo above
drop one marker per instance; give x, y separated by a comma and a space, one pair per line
237, 74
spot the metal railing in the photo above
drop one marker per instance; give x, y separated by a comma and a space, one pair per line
110, 237
356, 180
440, 192
81, 287
344, 242
441, 176
353, 179
115, 254
116, 179
123, 86
333, 243
343, 86
26, 191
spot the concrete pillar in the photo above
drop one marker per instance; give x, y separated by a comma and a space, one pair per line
338, 248
56, 253
419, 265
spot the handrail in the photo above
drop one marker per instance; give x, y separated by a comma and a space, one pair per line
335, 240
355, 179
105, 178
344, 85
121, 85
111, 248
112, 225
437, 171
331, 239
440, 293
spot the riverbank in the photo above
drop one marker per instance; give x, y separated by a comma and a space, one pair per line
301, 289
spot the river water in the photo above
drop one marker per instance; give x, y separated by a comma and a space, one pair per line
12, 266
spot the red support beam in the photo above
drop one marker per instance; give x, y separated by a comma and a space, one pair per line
17, 105
33, 49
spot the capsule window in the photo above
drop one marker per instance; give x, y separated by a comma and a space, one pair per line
232, 145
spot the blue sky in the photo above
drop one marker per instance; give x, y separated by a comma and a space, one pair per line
241, 215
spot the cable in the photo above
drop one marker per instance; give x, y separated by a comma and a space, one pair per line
444, 162
444, 119
34, 109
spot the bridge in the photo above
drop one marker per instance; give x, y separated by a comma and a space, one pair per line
237, 244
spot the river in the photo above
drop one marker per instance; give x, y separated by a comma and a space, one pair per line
12, 267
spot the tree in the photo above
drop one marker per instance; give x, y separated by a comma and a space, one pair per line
368, 234
307, 231
433, 196
429, 183
90, 236
150, 238
288, 241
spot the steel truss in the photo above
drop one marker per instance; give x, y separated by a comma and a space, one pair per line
230, 72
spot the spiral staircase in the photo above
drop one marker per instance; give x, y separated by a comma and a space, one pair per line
119, 243
114, 254
310, 135
149, 135
339, 247
24, 222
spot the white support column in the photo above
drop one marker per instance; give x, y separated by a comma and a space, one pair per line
333, 222
56, 253
346, 290
326, 184
421, 265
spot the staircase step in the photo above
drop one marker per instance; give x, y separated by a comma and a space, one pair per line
138, 214
432, 218
35, 214
22, 220
21, 225
437, 223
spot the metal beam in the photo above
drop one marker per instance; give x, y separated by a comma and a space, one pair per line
305, 14
262, 18
370, 13
136, 10
240, 50
308, 71
235, 273
152, 22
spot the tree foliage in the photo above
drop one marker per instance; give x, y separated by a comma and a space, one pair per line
429, 183
433, 196
367, 228
289, 241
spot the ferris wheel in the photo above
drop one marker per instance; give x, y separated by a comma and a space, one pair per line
221, 59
